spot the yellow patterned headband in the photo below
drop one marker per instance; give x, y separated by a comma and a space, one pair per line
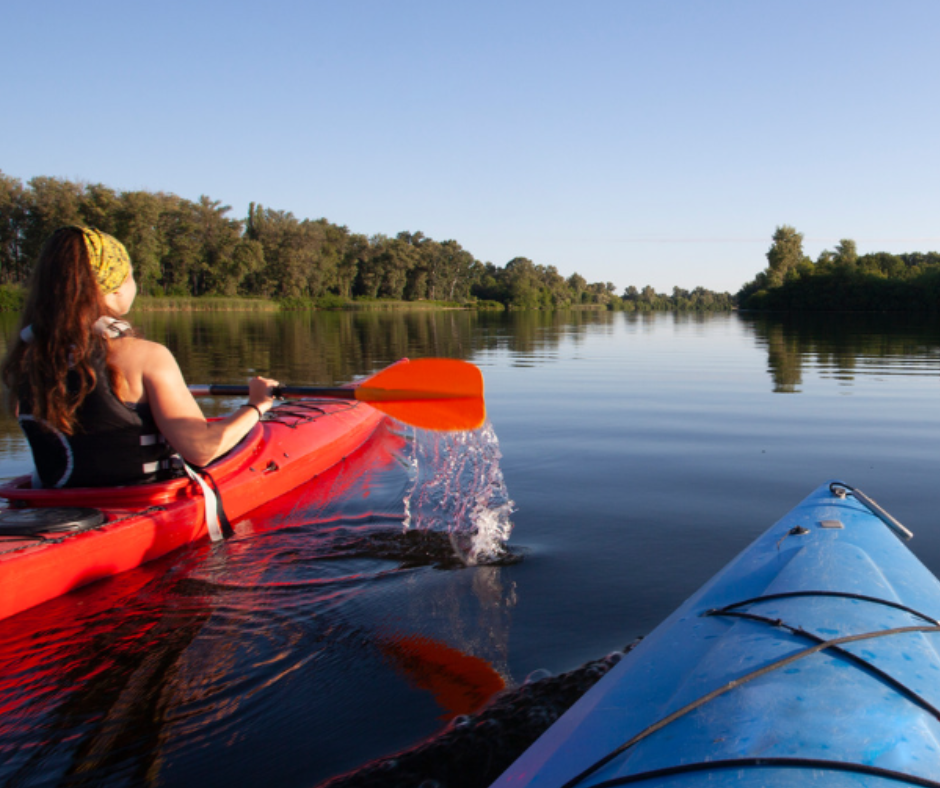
108, 257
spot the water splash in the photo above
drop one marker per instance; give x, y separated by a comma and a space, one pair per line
458, 489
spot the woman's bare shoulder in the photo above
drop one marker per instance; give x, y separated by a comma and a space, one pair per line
137, 347
142, 359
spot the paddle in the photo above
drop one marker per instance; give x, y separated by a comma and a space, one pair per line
430, 393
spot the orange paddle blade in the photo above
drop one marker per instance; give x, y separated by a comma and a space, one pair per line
447, 415
430, 393
423, 378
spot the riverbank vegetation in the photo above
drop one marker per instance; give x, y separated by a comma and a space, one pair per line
841, 279
204, 304
184, 250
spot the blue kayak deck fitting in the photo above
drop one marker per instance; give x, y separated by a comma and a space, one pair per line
811, 659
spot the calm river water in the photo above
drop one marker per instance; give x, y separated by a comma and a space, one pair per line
641, 453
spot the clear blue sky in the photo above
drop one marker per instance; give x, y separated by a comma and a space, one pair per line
637, 142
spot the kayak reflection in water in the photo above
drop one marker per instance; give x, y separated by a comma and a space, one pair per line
99, 404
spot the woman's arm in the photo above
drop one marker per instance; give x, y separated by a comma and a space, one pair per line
180, 418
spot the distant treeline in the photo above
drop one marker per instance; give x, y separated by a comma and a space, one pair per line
842, 279
182, 248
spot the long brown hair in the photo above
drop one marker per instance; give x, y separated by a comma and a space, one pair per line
63, 303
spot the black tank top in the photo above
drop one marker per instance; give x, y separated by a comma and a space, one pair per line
113, 442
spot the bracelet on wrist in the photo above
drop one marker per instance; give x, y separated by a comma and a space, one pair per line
256, 409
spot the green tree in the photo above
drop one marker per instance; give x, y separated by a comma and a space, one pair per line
395, 258
450, 272
885, 265
371, 271
554, 288
412, 255
181, 265
98, 207
14, 265
138, 225
522, 283
247, 260
216, 236
356, 252
336, 239
52, 203
846, 256
286, 258
490, 284
785, 254
577, 284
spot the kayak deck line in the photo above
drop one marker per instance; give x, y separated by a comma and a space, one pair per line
835, 647
834, 594
775, 762
727, 687
821, 645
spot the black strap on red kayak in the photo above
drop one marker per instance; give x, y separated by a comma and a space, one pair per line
816, 764
217, 523
224, 523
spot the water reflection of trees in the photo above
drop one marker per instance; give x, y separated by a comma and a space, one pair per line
327, 348
531, 332
844, 344
333, 347
306, 348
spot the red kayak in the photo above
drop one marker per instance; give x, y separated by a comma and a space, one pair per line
97, 532
294, 443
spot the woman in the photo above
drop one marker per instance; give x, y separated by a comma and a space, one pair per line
99, 405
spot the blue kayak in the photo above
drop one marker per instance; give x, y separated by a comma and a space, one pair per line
811, 659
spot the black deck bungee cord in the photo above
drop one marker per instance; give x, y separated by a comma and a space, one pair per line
819, 646
792, 763
839, 594
903, 689
303, 411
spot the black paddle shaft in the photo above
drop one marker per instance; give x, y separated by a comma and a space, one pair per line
284, 392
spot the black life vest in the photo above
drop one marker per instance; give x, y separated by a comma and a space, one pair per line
113, 442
